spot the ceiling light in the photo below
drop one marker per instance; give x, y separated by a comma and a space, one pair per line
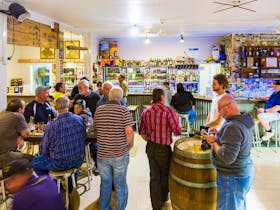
134, 30
181, 38
147, 40
17, 11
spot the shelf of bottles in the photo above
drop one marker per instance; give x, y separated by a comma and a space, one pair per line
251, 87
144, 76
185, 72
112, 73
135, 78
71, 75
260, 61
154, 77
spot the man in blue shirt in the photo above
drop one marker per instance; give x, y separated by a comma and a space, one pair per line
63, 143
271, 111
39, 108
30, 192
106, 87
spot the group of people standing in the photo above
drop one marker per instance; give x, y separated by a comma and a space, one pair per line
63, 143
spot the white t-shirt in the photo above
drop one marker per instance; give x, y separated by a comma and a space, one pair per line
214, 113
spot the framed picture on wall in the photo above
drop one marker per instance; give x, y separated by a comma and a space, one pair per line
46, 53
72, 54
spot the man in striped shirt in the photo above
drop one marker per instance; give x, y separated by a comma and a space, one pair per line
157, 124
113, 126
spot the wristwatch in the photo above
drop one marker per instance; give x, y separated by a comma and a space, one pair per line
264, 110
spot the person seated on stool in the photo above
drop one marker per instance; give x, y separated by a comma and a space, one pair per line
30, 192
271, 111
184, 103
13, 131
63, 143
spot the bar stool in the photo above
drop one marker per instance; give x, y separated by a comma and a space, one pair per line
88, 164
257, 139
4, 197
185, 125
275, 125
59, 176
135, 114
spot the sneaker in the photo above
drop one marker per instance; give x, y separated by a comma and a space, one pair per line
268, 135
96, 172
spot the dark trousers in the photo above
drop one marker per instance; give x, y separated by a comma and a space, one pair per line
159, 160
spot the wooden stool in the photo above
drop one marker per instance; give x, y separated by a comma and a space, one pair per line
60, 175
135, 114
88, 164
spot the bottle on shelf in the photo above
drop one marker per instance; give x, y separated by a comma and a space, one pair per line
271, 53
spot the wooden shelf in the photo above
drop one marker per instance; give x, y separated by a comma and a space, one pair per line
36, 60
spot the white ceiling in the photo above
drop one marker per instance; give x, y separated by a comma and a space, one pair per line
115, 18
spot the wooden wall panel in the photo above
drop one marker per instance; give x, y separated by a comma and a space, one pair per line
30, 33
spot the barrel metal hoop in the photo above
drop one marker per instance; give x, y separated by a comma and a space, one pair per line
175, 207
193, 185
192, 165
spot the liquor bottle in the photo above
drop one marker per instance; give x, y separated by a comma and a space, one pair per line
257, 51
271, 52
256, 63
250, 52
243, 53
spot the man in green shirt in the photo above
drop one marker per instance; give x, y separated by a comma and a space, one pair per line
124, 87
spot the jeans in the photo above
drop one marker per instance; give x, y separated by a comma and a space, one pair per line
232, 191
159, 160
43, 164
191, 114
113, 170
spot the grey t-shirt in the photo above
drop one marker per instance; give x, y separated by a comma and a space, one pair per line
11, 124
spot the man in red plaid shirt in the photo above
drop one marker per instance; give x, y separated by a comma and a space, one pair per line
157, 124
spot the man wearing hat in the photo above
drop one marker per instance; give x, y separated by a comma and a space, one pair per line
81, 109
39, 108
30, 192
271, 111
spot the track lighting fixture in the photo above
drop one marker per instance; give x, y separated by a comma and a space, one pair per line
17, 11
181, 38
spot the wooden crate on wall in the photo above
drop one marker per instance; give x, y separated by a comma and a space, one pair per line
31, 33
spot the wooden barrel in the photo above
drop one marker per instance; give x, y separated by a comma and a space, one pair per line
192, 178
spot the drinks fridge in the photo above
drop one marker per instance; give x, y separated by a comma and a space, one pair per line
206, 73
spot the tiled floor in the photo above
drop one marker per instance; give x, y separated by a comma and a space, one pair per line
264, 194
